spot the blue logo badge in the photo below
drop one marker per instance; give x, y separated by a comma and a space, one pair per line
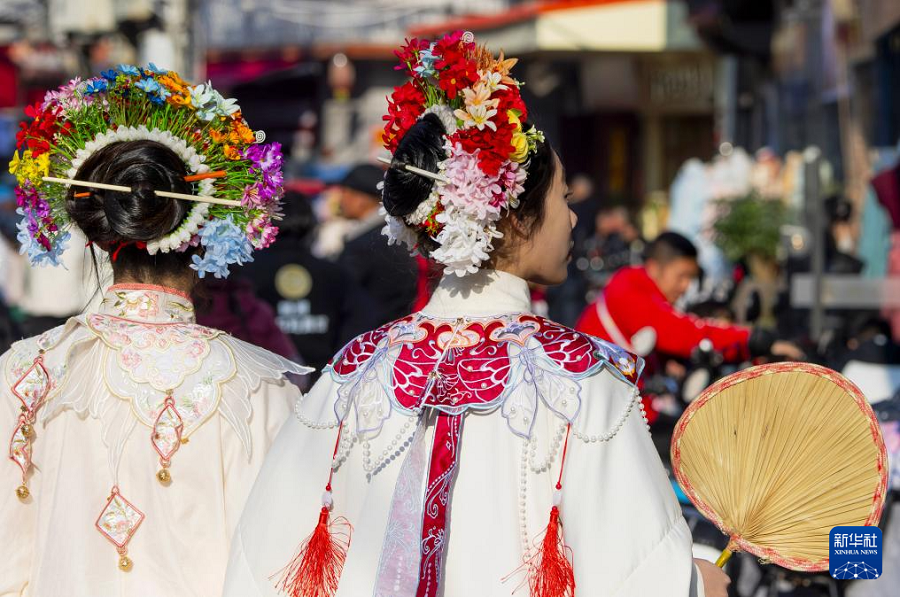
855, 552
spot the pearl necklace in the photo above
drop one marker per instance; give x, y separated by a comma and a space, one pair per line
611, 433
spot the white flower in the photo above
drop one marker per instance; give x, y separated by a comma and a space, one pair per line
397, 232
445, 115
464, 243
424, 209
492, 80
480, 108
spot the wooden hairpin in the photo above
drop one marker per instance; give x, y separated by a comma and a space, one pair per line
414, 170
122, 189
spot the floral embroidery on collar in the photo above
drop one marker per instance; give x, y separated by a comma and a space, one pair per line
148, 303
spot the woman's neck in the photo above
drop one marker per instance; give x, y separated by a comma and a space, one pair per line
183, 284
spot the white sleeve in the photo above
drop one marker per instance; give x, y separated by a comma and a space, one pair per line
618, 505
17, 519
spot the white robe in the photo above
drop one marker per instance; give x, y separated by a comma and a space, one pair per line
620, 516
109, 373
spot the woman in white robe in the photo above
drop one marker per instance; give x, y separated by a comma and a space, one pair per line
447, 440
135, 435
107, 376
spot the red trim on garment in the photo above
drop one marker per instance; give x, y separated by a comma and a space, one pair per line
151, 287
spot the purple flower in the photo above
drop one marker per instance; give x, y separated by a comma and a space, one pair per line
265, 162
265, 158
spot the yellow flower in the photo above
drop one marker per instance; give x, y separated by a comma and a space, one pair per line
15, 163
519, 139
514, 119
43, 165
29, 169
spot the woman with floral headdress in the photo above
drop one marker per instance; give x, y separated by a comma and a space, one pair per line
472, 448
134, 433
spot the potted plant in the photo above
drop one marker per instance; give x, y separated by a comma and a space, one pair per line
749, 229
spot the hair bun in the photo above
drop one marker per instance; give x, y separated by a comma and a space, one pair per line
107, 217
423, 147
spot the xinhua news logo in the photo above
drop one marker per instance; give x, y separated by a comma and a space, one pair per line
855, 553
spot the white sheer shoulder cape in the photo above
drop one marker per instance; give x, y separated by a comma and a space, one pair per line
135, 436
453, 424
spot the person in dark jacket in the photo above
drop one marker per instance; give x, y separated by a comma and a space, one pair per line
317, 303
388, 273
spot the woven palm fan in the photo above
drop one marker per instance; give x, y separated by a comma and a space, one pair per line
778, 455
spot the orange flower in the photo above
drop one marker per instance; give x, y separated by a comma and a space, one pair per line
217, 137
231, 152
172, 82
243, 132
180, 100
503, 66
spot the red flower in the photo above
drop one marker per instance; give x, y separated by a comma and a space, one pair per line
458, 77
453, 50
409, 55
511, 99
494, 147
456, 68
38, 134
404, 107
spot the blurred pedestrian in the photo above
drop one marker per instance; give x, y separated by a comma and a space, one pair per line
636, 310
317, 303
388, 273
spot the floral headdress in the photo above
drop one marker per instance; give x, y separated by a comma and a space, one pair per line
487, 148
237, 180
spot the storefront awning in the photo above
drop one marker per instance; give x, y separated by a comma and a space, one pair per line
580, 25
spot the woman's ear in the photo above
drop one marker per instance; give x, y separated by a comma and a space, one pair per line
519, 227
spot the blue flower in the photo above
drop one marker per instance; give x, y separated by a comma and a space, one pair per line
156, 70
427, 59
37, 254
148, 85
95, 86
109, 75
129, 70
224, 243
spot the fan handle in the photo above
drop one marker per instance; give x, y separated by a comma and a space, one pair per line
723, 559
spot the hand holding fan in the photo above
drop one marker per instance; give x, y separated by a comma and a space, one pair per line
778, 455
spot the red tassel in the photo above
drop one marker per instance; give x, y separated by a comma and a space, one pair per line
550, 572
316, 569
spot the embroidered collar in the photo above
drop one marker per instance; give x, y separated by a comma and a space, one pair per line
147, 303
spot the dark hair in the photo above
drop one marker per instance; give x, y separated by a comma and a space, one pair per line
669, 246
116, 221
423, 147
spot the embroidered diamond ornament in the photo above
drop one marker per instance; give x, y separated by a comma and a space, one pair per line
118, 522
20, 448
31, 389
166, 437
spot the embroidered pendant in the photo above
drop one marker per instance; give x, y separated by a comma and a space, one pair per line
31, 389
118, 522
166, 437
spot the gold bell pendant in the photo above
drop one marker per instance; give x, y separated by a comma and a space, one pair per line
22, 492
125, 563
163, 476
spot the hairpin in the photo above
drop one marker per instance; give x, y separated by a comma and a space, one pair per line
414, 170
122, 189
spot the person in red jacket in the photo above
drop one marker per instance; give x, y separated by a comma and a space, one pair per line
636, 310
